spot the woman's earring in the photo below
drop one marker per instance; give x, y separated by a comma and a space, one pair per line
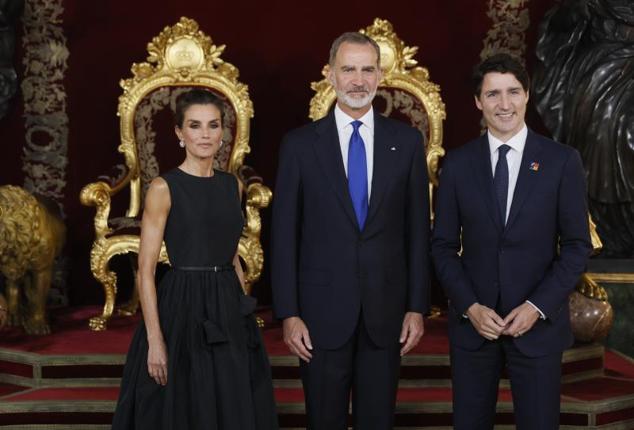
221, 143
181, 144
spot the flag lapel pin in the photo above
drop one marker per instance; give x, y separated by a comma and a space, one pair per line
534, 166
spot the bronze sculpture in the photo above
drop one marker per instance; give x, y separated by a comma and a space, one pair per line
584, 90
31, 236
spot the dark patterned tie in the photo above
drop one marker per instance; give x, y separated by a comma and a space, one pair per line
358, 175
501, 180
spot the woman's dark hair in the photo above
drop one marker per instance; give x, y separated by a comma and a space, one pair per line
196, 96
501, 63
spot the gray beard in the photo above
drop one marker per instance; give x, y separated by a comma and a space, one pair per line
355, 103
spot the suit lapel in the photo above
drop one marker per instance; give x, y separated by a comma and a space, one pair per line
526, 178
484, 174
384, 158
328, 152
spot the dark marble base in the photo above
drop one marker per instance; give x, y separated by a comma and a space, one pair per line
621, 337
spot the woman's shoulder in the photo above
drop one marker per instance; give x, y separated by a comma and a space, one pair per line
159, 184
158, 194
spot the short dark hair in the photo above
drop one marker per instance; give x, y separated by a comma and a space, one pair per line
501, 63
357, 38
196, 96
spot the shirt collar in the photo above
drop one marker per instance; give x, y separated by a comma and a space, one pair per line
517, 142
343, 120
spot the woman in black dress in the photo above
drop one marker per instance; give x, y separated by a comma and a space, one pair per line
197, 361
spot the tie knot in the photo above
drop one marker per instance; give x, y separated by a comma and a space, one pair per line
503, 149
356, 124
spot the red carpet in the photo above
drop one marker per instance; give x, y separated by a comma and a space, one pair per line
77, 393
71, 335
75, 372
619, 365
6, 389
598, 389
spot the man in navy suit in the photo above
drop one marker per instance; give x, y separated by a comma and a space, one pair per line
515, 202
350, 245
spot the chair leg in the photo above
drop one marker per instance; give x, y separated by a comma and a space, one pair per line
131, 306
108, 279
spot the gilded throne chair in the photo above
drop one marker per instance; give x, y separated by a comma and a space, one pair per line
180, 57
404, 93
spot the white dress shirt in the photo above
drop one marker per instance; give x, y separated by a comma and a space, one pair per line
345, 129
514, 161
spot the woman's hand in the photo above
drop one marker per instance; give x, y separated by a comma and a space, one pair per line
157, 361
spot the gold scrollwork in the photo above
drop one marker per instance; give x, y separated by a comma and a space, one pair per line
400, 71
249, 248
180, 56
588, 285
158, 72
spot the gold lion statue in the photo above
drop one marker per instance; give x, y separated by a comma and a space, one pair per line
31, 236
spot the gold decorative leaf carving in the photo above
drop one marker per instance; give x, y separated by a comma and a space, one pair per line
400, 72
180, 56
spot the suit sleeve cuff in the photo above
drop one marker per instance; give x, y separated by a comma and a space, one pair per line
464, 315
541, 314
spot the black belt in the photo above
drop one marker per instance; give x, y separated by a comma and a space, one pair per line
221, 268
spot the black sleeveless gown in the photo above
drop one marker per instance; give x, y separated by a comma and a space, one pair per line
218, 375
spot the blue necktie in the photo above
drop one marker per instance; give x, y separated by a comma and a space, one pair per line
358, 175
501, 180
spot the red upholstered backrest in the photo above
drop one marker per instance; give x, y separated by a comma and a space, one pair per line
404, 106
157, 145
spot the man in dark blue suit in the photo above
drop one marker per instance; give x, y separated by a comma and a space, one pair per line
515, 203
350, 244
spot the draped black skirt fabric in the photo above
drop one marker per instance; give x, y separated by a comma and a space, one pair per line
218, 372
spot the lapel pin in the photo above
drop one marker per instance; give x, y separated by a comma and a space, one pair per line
393, 148
534, 166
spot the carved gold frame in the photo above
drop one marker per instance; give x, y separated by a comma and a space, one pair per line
181, 55
399, 71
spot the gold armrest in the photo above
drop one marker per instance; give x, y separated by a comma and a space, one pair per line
98, 194
258, 196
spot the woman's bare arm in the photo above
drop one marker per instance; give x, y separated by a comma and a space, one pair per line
239, 271
156, 210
